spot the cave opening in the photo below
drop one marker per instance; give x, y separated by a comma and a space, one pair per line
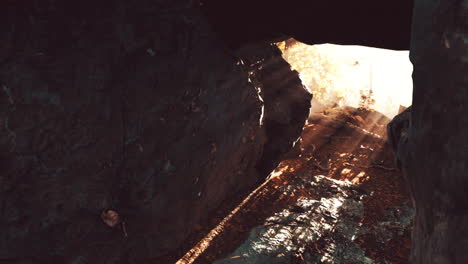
126, 125
338, 195
354, 76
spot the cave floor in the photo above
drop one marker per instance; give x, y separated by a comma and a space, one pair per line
339, 200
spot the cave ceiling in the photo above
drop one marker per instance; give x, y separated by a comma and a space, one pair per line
369, 23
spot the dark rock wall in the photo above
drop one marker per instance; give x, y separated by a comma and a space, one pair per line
435, 156
138, 108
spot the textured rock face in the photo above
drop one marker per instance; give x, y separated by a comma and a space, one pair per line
435, 158
135, 108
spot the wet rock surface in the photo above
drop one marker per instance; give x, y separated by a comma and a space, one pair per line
135, 109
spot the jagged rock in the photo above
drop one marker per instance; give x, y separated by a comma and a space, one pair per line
287, 102
134, 108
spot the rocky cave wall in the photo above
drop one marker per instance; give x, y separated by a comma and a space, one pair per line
138, 108
434, 153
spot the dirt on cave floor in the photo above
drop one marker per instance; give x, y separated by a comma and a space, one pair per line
339, 199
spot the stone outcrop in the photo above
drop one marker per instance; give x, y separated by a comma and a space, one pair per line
134, 108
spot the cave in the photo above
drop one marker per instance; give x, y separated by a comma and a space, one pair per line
126, 125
